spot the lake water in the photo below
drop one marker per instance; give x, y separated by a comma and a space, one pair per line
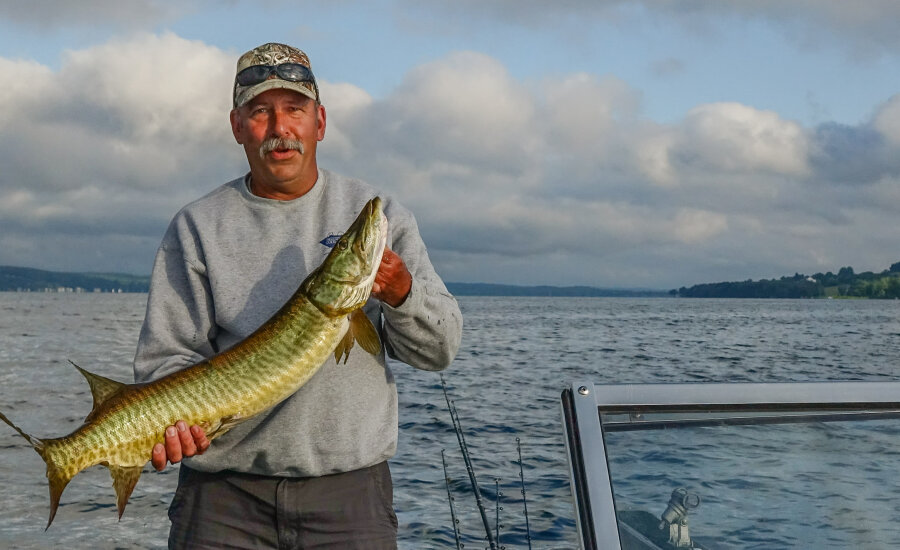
517, 355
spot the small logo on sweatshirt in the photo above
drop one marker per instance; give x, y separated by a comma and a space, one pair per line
331, 240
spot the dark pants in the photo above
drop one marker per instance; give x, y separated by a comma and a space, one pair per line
353, 510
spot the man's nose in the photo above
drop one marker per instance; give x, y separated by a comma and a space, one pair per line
280, 127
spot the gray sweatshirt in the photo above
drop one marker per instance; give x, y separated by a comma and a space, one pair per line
229, 261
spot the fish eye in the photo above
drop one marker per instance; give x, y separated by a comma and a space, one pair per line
342, 244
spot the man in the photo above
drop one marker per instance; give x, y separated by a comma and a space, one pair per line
312, 472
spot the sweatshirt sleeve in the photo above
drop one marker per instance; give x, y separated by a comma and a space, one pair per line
179, 327
425, 330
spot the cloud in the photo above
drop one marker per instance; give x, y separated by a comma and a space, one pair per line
111, 145
887, 120
505, 174
862, 154
850, 154
466, 106
668, 67
697, 226
511, 180
869, 26
55, 13
731, 137
504, 169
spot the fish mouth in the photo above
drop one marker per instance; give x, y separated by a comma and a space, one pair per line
344, 281
379, 249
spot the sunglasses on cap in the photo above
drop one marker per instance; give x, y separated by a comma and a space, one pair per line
292, 72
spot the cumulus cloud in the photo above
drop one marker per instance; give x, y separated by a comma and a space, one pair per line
111, 144
862, 154
511, 181
583, 114
466, 106
505, 173
887, 120
732, 137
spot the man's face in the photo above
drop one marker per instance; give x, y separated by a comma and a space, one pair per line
280, 114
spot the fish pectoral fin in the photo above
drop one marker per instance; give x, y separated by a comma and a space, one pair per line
124, 479
101, 388
364, 332
361, 330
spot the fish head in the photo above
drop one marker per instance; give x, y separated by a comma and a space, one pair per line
343, 282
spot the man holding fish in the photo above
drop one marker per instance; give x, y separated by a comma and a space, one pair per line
311, 472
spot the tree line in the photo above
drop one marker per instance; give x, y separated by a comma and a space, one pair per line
13, 278
844, 284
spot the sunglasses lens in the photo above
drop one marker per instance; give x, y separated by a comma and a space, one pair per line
253, 75
294, 72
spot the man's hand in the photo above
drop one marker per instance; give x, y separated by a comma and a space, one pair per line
393, 280
180, 443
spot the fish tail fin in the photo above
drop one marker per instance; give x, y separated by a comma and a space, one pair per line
58, 477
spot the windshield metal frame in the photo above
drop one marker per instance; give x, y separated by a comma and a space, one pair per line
584, 405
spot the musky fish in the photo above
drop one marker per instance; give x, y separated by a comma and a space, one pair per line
323, 316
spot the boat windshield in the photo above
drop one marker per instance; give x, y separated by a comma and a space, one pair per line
728, 466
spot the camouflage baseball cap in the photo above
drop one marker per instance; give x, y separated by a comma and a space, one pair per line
267, 73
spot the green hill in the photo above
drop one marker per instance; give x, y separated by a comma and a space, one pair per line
26, 279
845, 284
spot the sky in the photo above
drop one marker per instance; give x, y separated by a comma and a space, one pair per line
614, 143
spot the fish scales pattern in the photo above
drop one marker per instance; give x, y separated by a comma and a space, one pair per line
211, 390
259, 372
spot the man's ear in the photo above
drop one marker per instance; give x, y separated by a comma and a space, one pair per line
320, 120
237, 126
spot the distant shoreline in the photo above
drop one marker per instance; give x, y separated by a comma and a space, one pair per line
490, 289
26, 279
845, 284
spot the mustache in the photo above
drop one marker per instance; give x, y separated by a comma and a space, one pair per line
273, 143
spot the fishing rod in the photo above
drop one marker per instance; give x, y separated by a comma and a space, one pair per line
524, 500
497, 509
450, 499
464, 449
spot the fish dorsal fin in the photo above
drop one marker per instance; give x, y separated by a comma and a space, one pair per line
361, 330
124, 479
101, 388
